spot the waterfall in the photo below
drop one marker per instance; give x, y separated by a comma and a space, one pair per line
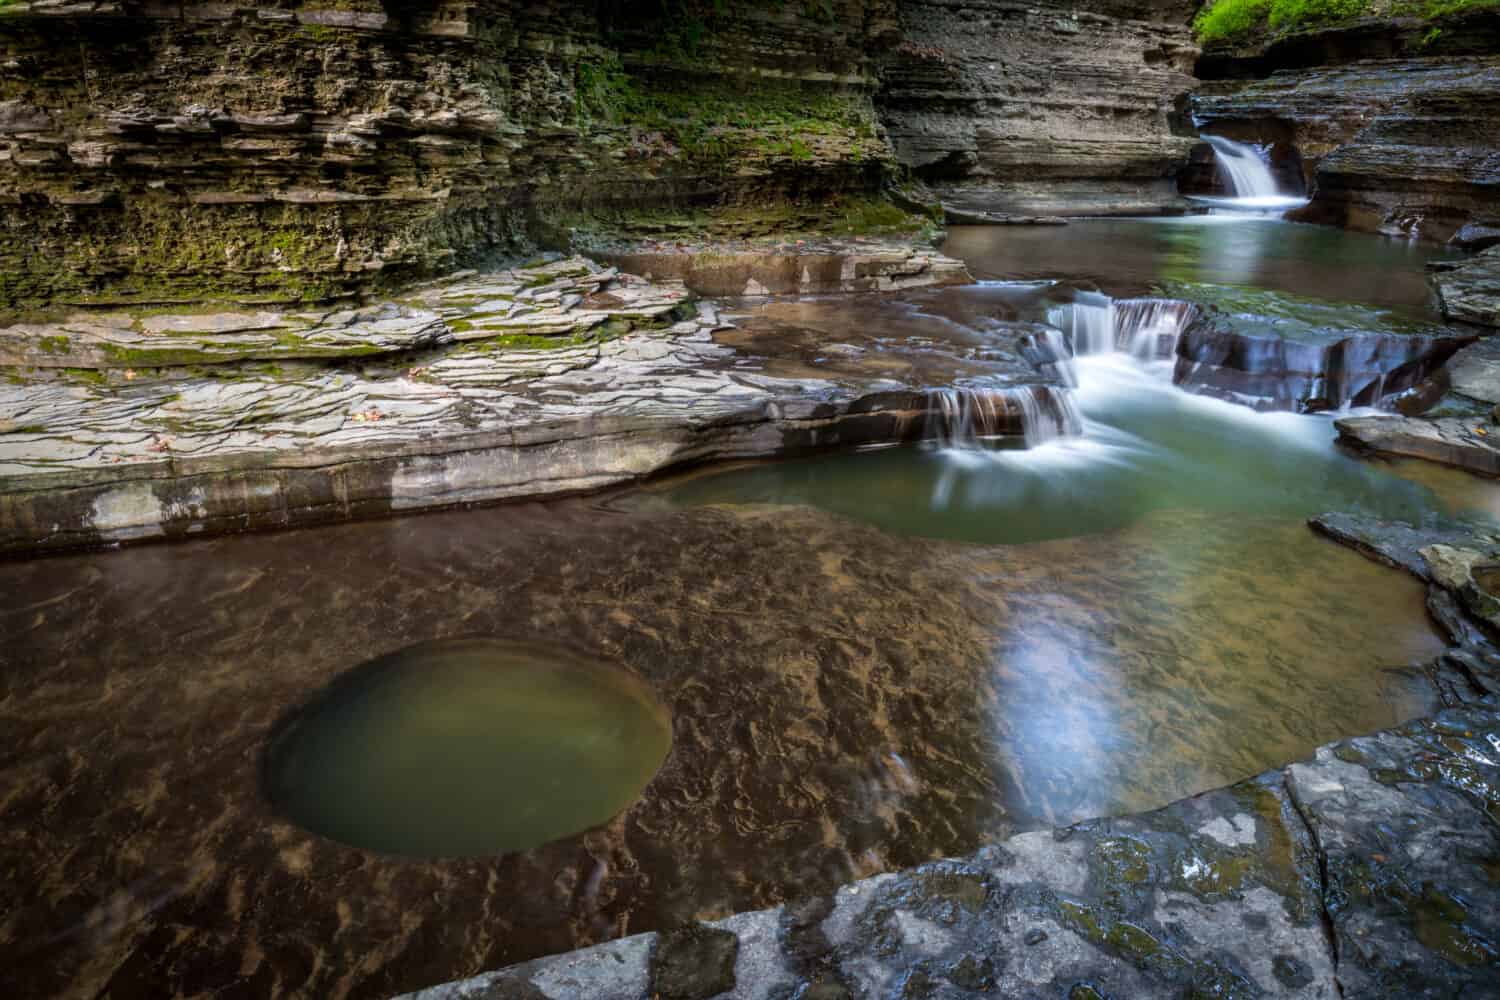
1248, 173
1148, 329
974, 418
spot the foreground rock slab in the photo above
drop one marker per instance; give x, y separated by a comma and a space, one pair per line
1470, 290
1467, 443
1364, 872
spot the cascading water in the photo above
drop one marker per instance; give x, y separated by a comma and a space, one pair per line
1254, 186
1147, 329
1249, 175
975, 418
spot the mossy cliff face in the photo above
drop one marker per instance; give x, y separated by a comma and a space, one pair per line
303, 149
160, 153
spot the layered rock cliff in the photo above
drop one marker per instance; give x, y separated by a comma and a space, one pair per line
155, 152
1393, 120
1042, 107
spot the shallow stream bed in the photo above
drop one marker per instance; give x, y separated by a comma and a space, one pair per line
868, 660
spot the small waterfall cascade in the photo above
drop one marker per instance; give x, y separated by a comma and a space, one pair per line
1147, 329
1245, 166
975, 418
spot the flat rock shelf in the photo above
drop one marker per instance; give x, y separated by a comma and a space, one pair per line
561, 377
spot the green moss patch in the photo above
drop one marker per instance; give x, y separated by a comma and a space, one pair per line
1229, 21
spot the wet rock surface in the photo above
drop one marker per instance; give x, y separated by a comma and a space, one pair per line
1280, 352
1475, 371
1364, 872
1464, 442
1457, 562
845, 701
1470, 291
806, 267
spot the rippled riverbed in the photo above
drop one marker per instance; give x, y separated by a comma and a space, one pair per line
868, 660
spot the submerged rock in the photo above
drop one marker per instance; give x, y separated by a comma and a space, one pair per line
818, 267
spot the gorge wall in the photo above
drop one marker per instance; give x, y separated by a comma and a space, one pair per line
1044, 108
1394, 119
158, 153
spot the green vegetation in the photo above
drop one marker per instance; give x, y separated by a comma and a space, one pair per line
721, 120
1234, 20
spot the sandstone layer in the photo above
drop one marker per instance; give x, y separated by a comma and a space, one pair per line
297, 151
558, 378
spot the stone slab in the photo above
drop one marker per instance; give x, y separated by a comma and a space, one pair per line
1470, 291
1364, 872
497, 414
1466, 443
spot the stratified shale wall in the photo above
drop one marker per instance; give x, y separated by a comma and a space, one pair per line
285, 150
1052, 108
1394, 120
289, 150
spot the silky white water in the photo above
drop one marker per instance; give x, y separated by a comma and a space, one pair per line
1250, 179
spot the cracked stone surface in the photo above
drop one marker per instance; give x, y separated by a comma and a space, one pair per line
1470, 290
553, 379
570, 297
1367, 871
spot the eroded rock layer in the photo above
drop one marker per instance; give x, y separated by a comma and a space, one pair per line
167, 152
1041, 107
299, 150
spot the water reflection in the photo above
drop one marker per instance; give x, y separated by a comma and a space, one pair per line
1146, 447
1129, 256
1164, 620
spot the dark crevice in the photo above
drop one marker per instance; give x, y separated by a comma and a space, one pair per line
1329, 933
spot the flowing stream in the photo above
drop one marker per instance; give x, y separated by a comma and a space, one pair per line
866, 660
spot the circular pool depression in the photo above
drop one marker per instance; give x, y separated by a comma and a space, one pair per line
467, 747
